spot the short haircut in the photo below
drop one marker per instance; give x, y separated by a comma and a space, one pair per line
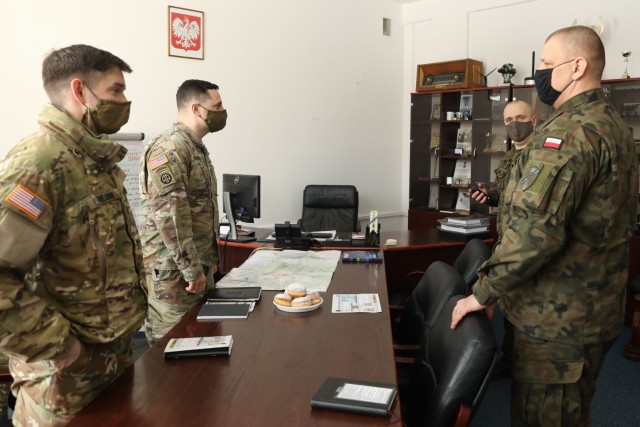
76, 61
193, 90
579, 40
527, 106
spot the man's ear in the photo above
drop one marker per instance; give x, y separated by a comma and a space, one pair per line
534, 119
77, 91
580, 67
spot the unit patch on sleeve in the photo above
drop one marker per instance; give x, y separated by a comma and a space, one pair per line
552, 142
158, 161
26, 201
534, 169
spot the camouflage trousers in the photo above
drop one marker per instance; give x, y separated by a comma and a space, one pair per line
46, 397
552, 383
168, 301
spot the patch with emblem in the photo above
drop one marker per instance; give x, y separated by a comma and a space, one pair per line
158, 161
26, 201
552, 142
533, 171
166, 178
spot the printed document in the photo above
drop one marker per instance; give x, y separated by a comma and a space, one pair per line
356, 303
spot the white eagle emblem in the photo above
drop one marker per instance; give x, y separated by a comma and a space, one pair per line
185, 33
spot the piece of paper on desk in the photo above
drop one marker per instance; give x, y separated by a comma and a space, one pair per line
275, 270
356, 303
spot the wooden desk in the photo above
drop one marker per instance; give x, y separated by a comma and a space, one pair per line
277, 363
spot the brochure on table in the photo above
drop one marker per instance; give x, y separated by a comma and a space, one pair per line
356, 303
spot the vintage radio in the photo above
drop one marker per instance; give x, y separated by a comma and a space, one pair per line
460, 74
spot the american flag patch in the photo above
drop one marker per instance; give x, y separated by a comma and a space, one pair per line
26, 201
552, 142
156, 162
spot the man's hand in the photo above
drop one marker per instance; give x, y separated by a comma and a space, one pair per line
463, 307
480, 194
197, 286
70, 356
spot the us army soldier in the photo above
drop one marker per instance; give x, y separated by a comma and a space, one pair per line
71, 272
179, 203
560, 267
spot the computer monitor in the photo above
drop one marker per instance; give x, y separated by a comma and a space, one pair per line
241, 200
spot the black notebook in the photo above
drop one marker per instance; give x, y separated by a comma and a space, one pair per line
199, 346
214, 310
364, 397
234, 294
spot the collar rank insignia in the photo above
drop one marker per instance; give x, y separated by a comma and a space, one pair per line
552, 142
27, 201
156, 162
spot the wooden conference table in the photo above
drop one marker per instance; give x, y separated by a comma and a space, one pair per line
277, 363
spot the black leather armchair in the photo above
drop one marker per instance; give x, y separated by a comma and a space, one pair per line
330, 207
452, 370
474, 254
439, 283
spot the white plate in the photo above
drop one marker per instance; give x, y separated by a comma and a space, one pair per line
298, 309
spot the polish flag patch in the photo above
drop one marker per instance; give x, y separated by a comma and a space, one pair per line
552, 142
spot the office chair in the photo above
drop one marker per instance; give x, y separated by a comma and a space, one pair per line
474, 254
439, 283
452, 370
330, 207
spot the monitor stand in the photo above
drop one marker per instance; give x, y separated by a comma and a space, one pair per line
232, 235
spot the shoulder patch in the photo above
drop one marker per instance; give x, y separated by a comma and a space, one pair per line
552, 142
533, 171
26, 201
158, 161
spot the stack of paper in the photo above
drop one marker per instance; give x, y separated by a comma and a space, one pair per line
462, 225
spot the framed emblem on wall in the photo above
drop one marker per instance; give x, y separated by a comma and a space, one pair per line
186, 33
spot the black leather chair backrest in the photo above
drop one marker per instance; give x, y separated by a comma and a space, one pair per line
453, 367
330, 207
439, 283
474, 254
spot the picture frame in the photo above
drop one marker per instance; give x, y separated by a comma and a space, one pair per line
435, 112
186, 33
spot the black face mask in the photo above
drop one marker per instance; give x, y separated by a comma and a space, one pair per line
546, 92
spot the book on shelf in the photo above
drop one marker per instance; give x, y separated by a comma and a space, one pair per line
449, 223
469, 220
215, 310
199, 346
363, 397
351, 257
463, 230
235, 294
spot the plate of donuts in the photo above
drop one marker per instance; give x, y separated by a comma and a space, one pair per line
296, 299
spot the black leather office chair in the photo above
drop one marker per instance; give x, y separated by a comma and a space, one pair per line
439, 283
330, 207
474, 254
452, 370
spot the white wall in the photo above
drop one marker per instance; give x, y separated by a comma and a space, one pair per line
507, 31
313, 89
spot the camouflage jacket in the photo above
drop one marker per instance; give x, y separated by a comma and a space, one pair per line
503, 175
560, 267
70, 259
179, 204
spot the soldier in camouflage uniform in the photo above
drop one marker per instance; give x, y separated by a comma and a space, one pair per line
71, 272
520, 122
179, 201
559, 269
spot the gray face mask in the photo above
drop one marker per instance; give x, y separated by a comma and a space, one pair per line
519, 131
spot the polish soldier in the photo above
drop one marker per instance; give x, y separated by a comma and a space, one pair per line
559, 271
71, 283
179, 204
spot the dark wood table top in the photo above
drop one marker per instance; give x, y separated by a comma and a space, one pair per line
278, 361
